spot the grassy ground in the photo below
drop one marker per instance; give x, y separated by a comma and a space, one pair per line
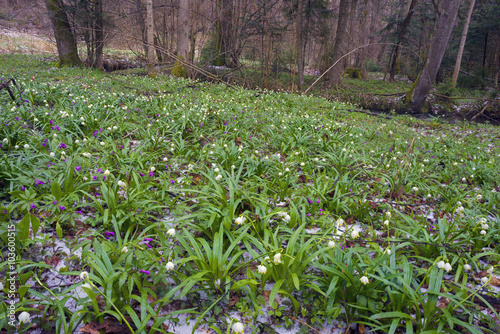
140, 204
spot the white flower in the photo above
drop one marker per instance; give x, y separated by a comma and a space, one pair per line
16, 147
84, 275
386, 222
490, 270
464, 179
388, 214
165, 159
261, 269
479, 197
233, 166
302, 164
415, 189
86, 285
240, 220
447, 267
170, 266
256, 152
238, 327
467, 267
55, 135
85, 178
26, 146
218, 177
216, 170
5, 140
472, 176
429, 195
77, 141
287, 218
485, 226
106, 172
102, 143
483, 232
24, 317
339, 222
152, 169
52, 154
354, 234
484, 280
280, 173
121, 184
124, 249
364, 280
171, 232
331, 243
388, 251
277, 258
440, 264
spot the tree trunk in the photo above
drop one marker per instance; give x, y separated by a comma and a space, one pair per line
339, 47
418, 93
226, 46
454, 77
401, 35
99, 34
180, 69
66, 43
150, 54
300, 46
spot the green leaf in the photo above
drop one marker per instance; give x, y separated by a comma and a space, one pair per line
56, 190
59, 231
295, 279
274, 291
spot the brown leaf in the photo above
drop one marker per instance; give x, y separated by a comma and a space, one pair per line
237, 141
443, 302
494, 281
361, 329
88, 329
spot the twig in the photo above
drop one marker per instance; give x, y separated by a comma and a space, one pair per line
479, 113
303, 323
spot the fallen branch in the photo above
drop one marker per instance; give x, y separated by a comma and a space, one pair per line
5, 85
465, 98
479, 113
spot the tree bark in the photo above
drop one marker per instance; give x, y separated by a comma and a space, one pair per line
150, 39
418, 93
99, 34
339, 47
401, 35
456, 70
226, 45
180, 69
66, 43
300, 46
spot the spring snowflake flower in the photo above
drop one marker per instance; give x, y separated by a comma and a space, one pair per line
26, 146
24, 317
52, 154
339, 222
5, 140
84, 275
106, 172
121, 184
485, 226
124, 249
364, 280
261, 269
440, 264
388, 251
415, 189
484, 280
467, 267
388, 214
240, 220
171, 232
354, 234
218, 177
447, 267
490, 270
102, 143
86, 285
170, 266
238, 327
483, 232
331, 244
479, 197
386, 222
277, 258
216, 170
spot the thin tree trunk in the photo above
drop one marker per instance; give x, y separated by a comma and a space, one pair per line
300, 46
183, 40
339, 48
454, 77
99, 35
420, 89
66, 43
150, 55
401, 35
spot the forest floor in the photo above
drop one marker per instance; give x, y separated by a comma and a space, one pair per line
167, 205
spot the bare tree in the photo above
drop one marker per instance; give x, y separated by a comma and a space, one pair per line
418, 93
340, 47
183, 39
150, 39
454, 77
65, 40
